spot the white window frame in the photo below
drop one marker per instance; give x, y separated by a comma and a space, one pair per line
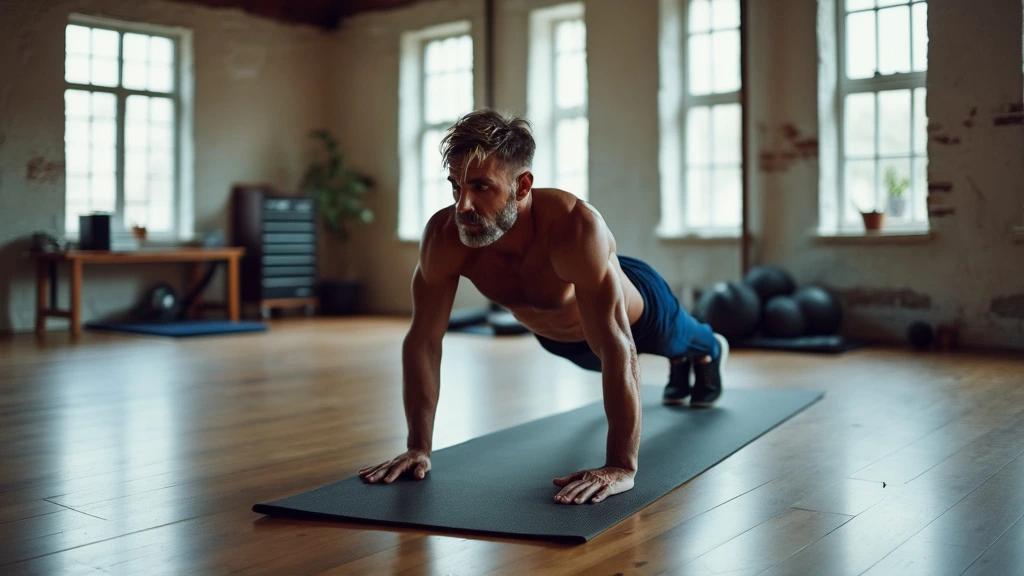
183, 192
542, 86
412, 123
879, 83
674, 103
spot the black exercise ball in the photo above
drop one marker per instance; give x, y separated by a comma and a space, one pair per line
821, 310
732, 309
921, 334
783, 318
770, 281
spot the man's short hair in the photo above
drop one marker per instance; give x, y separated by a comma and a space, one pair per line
485, 133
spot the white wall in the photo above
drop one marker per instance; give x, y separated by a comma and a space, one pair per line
971, 260
259, 89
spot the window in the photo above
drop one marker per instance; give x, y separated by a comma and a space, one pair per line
557, 97
436, 89
882, 139
701, 157
124, 107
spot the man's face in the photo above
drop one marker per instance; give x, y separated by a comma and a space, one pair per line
485, 202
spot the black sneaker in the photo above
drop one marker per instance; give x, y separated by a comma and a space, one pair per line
678, 387
707, 378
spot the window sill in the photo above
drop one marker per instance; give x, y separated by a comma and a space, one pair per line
699, 238
874, 237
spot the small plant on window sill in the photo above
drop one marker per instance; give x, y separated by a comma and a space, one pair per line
896, 186
339, 193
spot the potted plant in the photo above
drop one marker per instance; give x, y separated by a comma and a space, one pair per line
339, 192
897, 188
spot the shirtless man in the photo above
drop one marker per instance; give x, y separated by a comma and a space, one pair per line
549, 258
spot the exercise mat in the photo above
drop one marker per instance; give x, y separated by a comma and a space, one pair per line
818, 344
501, 484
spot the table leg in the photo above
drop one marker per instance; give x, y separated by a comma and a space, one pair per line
195, 275
42, 281
233, 304
76, 298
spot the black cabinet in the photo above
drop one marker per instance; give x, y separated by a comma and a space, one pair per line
279, 234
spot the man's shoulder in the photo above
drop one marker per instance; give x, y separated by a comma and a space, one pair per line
441, 252
570, 220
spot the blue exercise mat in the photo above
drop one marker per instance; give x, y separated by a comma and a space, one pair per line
180, 329
500, 483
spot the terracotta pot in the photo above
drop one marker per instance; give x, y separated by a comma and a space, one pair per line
873, 220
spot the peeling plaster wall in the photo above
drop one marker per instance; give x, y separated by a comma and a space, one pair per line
259, 89
976, 166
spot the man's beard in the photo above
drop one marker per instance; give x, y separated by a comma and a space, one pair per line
490, 230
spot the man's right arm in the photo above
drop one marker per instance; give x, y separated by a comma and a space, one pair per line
421, 354
433, 291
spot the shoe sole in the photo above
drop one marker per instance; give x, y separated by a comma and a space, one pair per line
673, 402
725, 356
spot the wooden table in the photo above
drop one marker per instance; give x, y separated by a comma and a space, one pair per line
46, 263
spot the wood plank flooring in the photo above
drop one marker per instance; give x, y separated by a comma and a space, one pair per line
135, 455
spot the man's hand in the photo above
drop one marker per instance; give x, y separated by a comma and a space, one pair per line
598, 483
415, 461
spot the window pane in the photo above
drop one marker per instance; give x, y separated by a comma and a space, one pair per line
571, 80
891, 2
77, 104
77, 40
860, 188
137, 109
104, 105
700, 64
859, 125
160, 214
134, 186
103, 161
860, 45
103, 192
161, 78
894, 40
571, 146
895, 181
161, 50
136, 47
725, 14
135, 163
697, 188
104, 132
77, 194
464, 52
161, 136
161, 110
894, 122
436, 194
160, 162
570, 36
859, 4
432, 57
699, 19
135, 214
726, 68
920, 123
77, 69
76, 159
104, 72
920, 13
725, 121
698, 136
464, 101
136, 135
76, 132
726, 197
104, 43
434, 105
135, 75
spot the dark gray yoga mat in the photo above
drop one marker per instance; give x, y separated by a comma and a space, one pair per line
501, 484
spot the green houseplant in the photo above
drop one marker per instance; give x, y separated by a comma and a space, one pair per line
339, 192
897, 186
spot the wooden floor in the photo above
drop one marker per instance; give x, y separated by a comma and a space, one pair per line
131, 455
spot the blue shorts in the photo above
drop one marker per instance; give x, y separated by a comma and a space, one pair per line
664, 328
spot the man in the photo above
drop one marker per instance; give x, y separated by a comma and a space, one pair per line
548, 258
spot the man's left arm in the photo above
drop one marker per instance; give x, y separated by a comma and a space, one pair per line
583, 257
